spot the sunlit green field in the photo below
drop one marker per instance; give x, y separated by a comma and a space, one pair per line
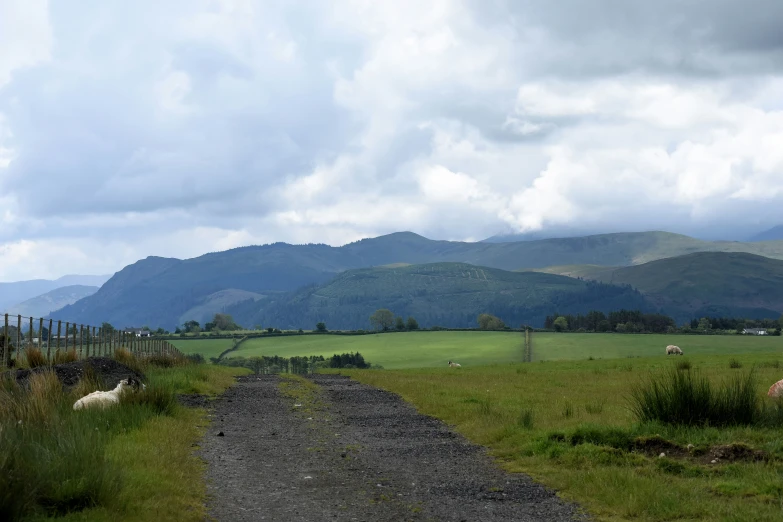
206, 347
432, 349
531, 414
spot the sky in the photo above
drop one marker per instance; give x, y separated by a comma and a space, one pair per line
130, 129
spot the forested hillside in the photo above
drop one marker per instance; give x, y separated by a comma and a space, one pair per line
442, 294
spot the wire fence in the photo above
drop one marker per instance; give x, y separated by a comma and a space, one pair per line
19, 334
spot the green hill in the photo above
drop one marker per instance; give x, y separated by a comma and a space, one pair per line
703, 283
443, 294
158, 291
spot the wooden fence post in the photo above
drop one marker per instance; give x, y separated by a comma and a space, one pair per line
81, 340
40, 334
30, 337
67, 324
59, 327
74, 337
18, 336
6, 345
94, 343
49, 343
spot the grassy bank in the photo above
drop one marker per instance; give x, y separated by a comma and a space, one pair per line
130, 462
570, 425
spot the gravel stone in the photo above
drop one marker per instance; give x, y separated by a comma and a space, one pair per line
367, 455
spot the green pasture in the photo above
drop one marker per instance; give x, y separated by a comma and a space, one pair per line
206, 347
432, 349
575, 346
568, 424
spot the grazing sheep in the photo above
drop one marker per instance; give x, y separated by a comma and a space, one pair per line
776, 390
455, 365
671, 349
103, 399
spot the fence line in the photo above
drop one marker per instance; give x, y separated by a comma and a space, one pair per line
85, 340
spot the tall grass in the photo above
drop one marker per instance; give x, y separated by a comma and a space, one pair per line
689, 398
34, 358
52, 459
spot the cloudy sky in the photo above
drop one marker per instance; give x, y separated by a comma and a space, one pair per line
175, 128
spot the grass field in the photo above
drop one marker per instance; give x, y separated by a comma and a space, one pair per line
429, 349
568, 424
206, 347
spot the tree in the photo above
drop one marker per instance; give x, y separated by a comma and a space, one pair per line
321, 327
225, 322
191, 327
160, 331
399, 323
560, 324
382, 319
704, 324
490, 322
107, 328
177, 330
780, 321
412, 324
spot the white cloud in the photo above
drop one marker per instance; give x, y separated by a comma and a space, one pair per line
179, 128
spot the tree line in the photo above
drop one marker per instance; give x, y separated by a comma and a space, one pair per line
635, 321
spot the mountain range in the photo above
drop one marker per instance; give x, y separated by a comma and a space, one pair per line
258, 283
51, 301
13, 294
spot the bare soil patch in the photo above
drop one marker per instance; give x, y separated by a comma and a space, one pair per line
105, 368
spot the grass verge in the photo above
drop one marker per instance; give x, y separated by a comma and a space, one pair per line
570, 426
129, 462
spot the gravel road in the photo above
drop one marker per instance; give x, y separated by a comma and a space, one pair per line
359, 454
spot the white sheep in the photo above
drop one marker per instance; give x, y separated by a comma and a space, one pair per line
776, 390
671, 349
103, 399
454, 365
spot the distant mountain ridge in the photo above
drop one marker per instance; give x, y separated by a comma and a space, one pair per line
773, 234
16, 292
50, 302
157, 291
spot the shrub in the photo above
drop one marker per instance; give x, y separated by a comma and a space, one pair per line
34, 358
62, 356
164, 360
688, 398
735, 364
195, 358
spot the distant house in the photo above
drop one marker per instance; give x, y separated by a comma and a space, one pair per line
138, 332
755, 331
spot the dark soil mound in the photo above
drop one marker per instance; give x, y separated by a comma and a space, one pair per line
109, 371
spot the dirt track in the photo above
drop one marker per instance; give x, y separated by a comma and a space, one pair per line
365, 455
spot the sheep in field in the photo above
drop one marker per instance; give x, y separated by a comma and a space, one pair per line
454, 365
102, 399
671, 349
776, 390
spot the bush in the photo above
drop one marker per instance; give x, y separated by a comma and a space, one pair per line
195, 358
34, 358
735, 364
62, 356
688, 398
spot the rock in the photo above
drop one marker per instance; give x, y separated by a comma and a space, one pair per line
220, 434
